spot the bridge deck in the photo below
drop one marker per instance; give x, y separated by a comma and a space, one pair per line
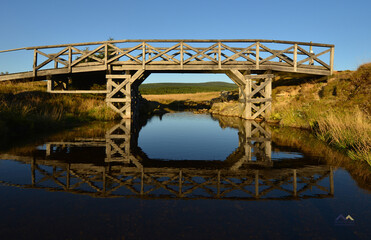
179, 56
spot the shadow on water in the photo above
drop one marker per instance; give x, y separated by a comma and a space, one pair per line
284, 178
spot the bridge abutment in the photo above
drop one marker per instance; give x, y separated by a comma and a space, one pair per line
121, 90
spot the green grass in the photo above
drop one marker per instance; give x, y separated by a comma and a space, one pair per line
173, 88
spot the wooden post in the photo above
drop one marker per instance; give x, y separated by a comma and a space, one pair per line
332, 60
35, 63
257, 55
248, 103
311, 62
47, 150
268, 95
106, 55
69, 59
144, 56
181, 55
295, 57
220, 55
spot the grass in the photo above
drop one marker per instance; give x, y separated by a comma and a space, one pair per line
337, 110
175, 88
168, 98
26, 109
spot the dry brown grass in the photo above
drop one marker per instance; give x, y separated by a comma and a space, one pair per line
196, 97
349, 130
17, 87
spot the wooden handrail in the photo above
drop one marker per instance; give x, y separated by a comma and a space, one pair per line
173, 40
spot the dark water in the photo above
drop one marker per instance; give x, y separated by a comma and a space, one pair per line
181, 176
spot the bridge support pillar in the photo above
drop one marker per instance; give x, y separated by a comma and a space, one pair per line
120, 88
255, 93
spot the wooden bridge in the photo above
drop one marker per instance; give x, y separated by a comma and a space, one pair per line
112, 167
124, 64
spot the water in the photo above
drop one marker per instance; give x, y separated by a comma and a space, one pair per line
181, 176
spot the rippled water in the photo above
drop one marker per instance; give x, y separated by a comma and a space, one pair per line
180, 176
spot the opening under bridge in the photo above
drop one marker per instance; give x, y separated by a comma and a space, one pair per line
124, 64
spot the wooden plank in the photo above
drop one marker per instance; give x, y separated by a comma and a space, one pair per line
79, 91
259, 76
117, 100
177, 40
118, 76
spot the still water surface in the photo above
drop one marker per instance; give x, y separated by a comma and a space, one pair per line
181, 176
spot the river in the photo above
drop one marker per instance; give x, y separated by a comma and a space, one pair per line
182, 176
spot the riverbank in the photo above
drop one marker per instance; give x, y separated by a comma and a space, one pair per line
27, 110
337, 108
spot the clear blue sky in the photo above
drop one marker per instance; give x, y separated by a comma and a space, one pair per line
347, 24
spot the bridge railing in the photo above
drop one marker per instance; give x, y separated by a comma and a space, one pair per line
254, 54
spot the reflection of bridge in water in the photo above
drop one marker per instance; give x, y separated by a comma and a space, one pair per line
115, 166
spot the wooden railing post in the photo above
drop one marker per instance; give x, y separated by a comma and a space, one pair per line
295, 57
144, 55
69, 59
106, 55
332, 60
257, 55
220, 55
181, 55
34, 62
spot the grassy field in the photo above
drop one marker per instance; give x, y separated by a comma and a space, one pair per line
196, 97
175, 88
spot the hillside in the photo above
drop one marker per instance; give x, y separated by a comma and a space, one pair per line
172, 88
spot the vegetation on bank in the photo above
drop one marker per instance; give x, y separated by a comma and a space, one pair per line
337, 109
26, 109
174, 88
